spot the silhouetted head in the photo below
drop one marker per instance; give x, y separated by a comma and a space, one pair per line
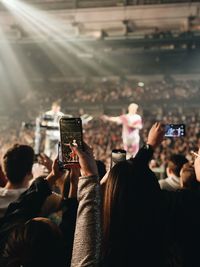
175, 163
38, 242
18, 162
188, 177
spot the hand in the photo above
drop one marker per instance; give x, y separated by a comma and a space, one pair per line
44, 160
156, 134
56, 173
105, 178
38, 170
197, 166
86, 160
56, 170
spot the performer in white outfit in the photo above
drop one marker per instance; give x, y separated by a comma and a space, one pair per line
131, 124
51, 120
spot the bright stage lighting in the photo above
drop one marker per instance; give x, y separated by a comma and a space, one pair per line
45, 27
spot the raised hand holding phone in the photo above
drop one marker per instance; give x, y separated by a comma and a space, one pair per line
156, 135
86, 160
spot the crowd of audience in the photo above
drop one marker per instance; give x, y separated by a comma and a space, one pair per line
160, 95
133, 214
168, 100
103, 143
122, 219
104, 92
115, 90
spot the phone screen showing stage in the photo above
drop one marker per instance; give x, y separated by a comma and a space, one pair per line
71, 135
175, 130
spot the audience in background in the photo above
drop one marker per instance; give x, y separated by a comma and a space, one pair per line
142, 224
172, 101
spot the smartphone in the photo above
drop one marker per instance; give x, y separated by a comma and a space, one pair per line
71, 134
117, 155
175, 130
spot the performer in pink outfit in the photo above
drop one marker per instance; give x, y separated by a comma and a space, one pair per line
131, 124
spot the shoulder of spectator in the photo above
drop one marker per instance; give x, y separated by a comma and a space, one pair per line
53, 203
40, 184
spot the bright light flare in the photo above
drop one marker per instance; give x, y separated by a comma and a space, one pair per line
56, 33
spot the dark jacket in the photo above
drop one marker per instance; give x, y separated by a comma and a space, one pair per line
29, 205
82, 235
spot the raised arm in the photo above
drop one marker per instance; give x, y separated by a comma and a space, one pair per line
87, 240
155, 137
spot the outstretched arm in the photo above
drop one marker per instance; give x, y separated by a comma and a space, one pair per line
116, 119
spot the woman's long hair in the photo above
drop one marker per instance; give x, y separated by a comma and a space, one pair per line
130, 196
115, 197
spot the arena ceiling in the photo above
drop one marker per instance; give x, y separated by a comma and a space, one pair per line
121, 20
71, 4
120, 39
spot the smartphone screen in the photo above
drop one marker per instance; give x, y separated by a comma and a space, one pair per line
175, 130
117, 156
70, 134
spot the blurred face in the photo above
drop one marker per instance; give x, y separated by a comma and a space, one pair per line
55, 108
133, 108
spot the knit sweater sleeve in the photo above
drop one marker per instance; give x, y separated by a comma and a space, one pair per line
87, 240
